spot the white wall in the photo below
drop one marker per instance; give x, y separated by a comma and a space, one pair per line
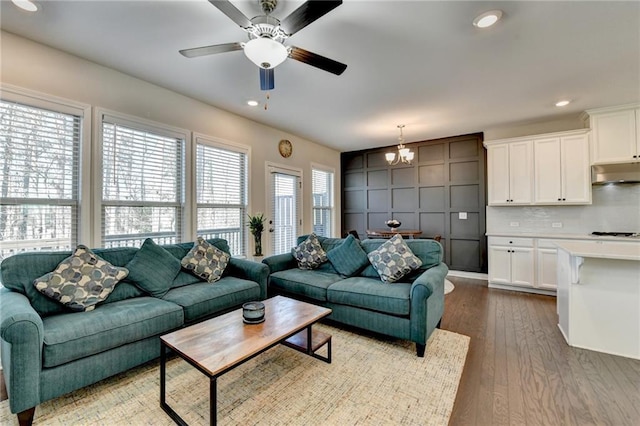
34, 66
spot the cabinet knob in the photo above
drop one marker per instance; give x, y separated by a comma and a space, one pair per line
510, 242
559, 199
564, 199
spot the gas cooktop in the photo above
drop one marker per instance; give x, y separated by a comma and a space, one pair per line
616, 234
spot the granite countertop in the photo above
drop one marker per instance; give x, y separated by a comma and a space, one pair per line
560, 236
608, 250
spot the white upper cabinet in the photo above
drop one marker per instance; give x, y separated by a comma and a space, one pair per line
509, 173
616, 134
561, 169
542, 169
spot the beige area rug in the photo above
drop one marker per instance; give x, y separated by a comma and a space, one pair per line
448, 287
370, 382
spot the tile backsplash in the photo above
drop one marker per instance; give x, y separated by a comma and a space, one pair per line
614, 208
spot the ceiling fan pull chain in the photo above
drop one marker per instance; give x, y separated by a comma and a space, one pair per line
266, 103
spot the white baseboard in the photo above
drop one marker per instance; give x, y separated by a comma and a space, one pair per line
465, 274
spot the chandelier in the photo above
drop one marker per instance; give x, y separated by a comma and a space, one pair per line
405, 155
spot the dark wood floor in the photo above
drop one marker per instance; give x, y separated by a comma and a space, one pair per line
520, 371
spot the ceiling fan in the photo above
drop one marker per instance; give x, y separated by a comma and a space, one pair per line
267, 35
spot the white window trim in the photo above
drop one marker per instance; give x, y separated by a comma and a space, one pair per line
199, 138
150, 126
67, 106
328, 169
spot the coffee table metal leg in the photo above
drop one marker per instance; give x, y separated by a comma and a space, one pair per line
163, 360
309, 340
213, 401
163, 386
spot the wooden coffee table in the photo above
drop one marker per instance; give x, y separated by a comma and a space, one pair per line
220, 344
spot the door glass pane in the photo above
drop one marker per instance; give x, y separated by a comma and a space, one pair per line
285, 213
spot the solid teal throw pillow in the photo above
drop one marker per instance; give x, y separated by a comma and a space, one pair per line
153, 269
348, 258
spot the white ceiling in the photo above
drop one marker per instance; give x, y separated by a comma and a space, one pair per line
419, 63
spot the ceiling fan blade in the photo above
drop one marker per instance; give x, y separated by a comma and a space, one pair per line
306, 14
210, 50
267, 81
232, 12
317, 61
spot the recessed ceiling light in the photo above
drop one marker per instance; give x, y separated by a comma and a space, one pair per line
253, 103
487, 19
562, 103
27, 5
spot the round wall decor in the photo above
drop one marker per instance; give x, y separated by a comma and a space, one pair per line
285, 148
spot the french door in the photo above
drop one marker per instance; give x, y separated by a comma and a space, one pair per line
285, 221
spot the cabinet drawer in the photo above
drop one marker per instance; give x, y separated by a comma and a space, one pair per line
511, 241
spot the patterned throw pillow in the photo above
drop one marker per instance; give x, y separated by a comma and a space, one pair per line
394, 259
205, 261
81, 280
309, 253
348, 258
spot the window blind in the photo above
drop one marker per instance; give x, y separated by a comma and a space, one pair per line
142, 184
39, 175
221, 195
322, 194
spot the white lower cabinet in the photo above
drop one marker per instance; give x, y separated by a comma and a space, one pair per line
527, 264
511, 261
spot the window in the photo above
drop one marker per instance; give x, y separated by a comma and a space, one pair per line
142, 183
39, 174
221, 193
322, 188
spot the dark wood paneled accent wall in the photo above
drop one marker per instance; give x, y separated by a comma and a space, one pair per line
447, 177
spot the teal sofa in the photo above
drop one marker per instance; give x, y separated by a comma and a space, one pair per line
48, 351
409, 309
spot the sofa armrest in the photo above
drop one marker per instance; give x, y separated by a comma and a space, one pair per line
280, 262
427, 302
22, 336
430, 281
249, 270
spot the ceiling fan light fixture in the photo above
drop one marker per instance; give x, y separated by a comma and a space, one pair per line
265, 52
27, 5
487, 19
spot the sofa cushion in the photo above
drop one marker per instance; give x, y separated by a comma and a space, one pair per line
372, 294
394, 259
202, 300
68, 337
153, 268
309, 253
19, 271
206, 261
81, 281
312, 284
348, 258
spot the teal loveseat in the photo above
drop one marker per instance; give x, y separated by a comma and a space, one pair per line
48, 350
408, 309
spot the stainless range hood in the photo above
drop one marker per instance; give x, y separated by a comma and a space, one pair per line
615, 174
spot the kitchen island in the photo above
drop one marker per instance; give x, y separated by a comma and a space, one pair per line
598, 296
